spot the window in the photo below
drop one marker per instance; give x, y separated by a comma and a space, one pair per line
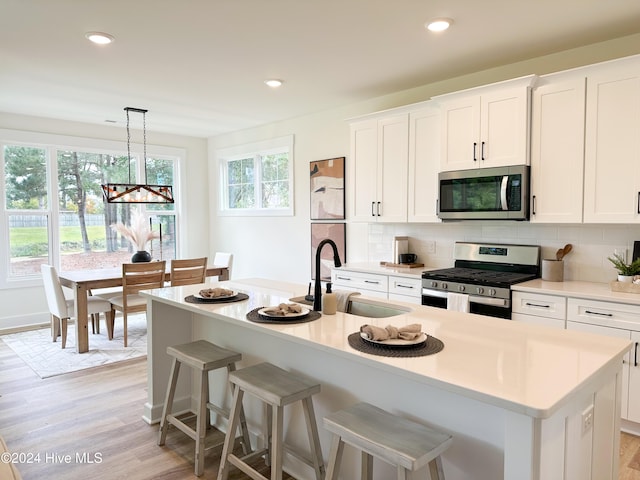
257, 179
53, 207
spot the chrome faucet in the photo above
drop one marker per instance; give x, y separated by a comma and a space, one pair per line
317, 292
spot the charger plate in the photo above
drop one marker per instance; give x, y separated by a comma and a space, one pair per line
238, 297
430, 346
254, 316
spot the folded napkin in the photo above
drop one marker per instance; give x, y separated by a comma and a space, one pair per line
378, 334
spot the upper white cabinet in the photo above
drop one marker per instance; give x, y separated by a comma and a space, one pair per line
378, 169
424, 165
612, 143
557, 150
486, 126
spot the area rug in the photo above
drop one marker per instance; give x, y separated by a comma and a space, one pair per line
48, 359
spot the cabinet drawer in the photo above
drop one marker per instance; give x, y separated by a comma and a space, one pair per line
359, 280
608, 314
539, 305
406, 286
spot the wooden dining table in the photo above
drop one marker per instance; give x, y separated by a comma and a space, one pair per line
83, 281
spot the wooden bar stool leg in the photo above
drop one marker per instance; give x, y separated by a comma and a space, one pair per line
277, 443
314, 438
234, 417
366, 465
335, 458
402, 473
266, 411
435, 469
168, 401
244, 430
201, 427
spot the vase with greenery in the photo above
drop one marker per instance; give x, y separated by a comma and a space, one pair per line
139, 233
626, 271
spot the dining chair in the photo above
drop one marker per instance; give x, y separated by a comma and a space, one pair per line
135, 277
223, 259
188, 271
62, 309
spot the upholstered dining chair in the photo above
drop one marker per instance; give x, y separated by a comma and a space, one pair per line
223, 259
188, 271
62, 309
135, 277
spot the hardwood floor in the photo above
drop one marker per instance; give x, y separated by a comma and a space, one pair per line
88, 425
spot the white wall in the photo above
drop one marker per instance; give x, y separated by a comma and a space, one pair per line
25, 306
587, 262
279, 247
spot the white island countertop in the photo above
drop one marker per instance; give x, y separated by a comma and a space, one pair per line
524, 368
512, 394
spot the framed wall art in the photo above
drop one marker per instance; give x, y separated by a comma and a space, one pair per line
334, 231
327, 189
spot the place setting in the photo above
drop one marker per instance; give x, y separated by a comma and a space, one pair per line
216, 295
283, 313
391, 341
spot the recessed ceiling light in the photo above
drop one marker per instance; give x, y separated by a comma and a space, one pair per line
99, 37
273, 82
439, 24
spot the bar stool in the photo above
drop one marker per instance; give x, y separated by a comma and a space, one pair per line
398, 441
204, 357
276, 388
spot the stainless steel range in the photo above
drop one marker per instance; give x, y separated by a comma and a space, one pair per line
484, 272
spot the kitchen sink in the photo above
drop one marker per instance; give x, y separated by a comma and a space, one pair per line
372, 309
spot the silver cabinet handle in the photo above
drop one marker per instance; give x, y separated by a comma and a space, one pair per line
343, 278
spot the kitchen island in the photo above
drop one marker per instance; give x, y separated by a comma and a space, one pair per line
522, 401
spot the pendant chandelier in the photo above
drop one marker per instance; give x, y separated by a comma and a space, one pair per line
132, 192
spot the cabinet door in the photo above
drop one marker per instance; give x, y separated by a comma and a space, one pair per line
611, 332
393, 157
612, 146
362, 163
424, 158
460, 123
634, 379
557, 152
504, 128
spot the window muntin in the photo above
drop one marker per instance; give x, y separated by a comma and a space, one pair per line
257, 179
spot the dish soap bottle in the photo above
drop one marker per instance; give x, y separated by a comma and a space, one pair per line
329, 301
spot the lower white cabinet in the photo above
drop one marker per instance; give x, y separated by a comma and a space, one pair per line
391, 287
614, 320
370, 284
405, 289
541, 309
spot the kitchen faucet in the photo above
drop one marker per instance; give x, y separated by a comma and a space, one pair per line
317, 293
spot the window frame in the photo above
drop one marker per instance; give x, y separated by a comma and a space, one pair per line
52, 143
255, 150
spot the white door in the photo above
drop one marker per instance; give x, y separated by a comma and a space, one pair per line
363, 167
460, 123
393, 158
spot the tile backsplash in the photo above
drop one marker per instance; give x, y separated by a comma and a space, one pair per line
433, 243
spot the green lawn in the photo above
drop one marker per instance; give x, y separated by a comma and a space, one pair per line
33, 240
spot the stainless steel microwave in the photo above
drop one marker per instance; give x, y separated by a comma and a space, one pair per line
499, 193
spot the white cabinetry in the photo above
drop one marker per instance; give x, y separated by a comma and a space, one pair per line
612, 146
487, 126
541, 309
378, 169
615, 320
370, 284
405, 289
557, 150
424, 158
393, 287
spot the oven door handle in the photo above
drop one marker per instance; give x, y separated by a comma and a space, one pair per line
498, 302
503, 192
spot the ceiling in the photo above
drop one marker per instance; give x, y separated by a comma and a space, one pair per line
198, 66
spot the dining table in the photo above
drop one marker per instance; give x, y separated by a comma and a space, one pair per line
82, 282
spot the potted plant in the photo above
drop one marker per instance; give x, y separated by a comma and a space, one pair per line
626, 271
